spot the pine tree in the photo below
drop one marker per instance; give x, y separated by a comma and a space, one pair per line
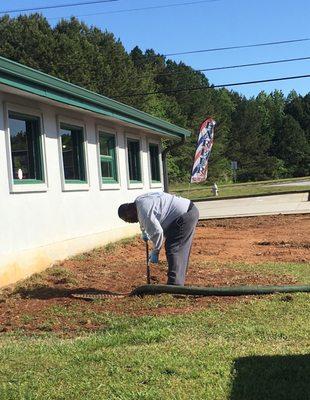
293, 148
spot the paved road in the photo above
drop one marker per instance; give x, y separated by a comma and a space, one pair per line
295, 203
299, 183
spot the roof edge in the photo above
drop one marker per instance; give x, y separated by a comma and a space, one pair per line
44, 85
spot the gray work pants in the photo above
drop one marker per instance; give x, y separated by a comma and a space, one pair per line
179, 236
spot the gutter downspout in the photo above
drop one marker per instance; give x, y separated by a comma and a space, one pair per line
164, 160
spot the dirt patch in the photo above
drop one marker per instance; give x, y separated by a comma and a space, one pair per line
42, 303
240, 239
305, 245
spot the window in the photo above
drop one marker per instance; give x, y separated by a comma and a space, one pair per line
154, 161
73, 153
26, 148
134, 163
108, 157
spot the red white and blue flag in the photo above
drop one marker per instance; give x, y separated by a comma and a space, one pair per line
203, 151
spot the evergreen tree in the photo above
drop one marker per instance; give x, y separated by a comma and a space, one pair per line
250, 143
293, 148
299, 108
28, 40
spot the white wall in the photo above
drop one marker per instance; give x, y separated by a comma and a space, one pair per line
37, 228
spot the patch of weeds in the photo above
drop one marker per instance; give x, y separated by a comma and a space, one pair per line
165, 300
97, 252
59, 311
61, 275
34, 282
41, 284
81, 257
88, 255
26, 319
46, 326
4, 294
126, 241
121, 243
110, 247
79, 319
94, 317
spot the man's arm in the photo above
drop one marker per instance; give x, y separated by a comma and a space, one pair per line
155, 232
150, 225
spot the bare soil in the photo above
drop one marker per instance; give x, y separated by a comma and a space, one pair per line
43, 303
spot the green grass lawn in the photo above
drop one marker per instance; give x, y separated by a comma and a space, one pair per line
245, 350
201, 191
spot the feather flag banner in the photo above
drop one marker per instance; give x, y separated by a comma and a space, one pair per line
203, 151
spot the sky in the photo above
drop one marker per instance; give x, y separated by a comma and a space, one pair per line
205, 25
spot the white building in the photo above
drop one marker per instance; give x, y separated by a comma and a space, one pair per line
68, 158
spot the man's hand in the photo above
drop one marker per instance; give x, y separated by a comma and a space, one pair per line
153, 257
144, 236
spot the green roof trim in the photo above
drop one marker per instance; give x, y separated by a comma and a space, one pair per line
33, 81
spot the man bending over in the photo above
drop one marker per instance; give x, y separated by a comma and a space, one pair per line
164, 216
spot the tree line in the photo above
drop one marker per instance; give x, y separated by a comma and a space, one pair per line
268, 135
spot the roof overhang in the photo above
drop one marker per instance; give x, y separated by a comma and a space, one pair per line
38, 83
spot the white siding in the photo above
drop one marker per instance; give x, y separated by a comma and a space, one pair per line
39, 227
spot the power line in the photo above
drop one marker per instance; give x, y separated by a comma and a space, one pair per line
231, 66
217, 86
226, 67
255, 64
237, 47
138, 9
58, 6
173, 73
237, 66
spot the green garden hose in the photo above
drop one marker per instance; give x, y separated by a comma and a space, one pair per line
217, 291
195, 291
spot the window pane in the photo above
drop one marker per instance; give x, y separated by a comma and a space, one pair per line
67, 155
25, 147
154, 155
106, 169
107, 143
107, 157
72, 143
134, 160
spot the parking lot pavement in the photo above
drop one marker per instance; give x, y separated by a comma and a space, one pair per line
299, 183
294, 203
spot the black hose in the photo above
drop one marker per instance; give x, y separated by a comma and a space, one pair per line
217, 291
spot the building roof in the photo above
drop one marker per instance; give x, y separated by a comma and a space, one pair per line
38, 83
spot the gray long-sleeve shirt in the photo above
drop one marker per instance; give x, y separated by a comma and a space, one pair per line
156, 211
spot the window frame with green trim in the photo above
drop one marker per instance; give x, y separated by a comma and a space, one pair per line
157, 169
27, 165
74, 163
108, 162
134, 162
